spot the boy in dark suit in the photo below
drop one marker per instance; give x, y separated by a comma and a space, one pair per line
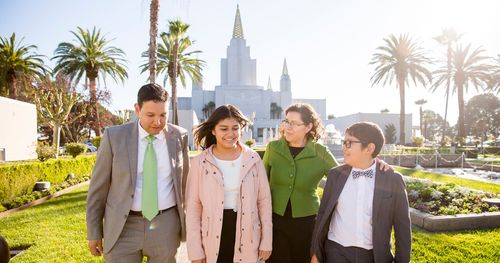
361, 205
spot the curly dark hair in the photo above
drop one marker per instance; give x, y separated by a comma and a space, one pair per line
203, 133
308, 115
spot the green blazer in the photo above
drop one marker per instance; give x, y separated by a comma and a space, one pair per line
296, 179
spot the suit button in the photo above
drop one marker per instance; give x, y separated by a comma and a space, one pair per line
132, 196
242, 213
217, 236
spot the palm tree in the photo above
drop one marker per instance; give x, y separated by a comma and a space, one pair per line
420, 103
448, 37
153, 32
176, 61
494, 81
467, 68
93, 57
401, 58
18, 63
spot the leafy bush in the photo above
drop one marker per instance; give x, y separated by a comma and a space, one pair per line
45, 151
19, 179
417, 140
27, 198
96, 141
249, 143
75, 149
446, 199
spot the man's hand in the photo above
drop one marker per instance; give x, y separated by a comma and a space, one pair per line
95, 247
264, 255
314, 259
199, 261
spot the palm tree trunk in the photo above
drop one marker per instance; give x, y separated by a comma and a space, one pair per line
448, 82
13, 86
461, 122
421, 119
94, 113
174, 83
402, 112
153, 31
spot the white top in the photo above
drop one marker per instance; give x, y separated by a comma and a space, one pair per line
231, 174
166, 195
351, 223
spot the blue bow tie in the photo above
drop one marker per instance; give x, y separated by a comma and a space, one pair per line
357, 174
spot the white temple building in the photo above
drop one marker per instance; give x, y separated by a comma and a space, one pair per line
238, 86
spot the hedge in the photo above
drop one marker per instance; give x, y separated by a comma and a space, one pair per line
19, 179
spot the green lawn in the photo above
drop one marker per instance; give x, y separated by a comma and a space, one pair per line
473, 184
55, 232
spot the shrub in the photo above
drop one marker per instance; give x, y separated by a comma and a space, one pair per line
19, 179
45, 151
75, 149
417, 140
250, 142
96, 141
2, 208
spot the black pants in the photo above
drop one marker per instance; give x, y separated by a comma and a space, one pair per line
291, 238
336, 253
228, 237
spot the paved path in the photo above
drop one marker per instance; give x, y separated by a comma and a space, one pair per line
182, 254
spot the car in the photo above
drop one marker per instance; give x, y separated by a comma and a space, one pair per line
90, 147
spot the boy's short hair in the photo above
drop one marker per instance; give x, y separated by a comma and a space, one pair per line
368, 132
151, 92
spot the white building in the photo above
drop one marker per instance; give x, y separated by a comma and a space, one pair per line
18, 135
238, 86
381, 119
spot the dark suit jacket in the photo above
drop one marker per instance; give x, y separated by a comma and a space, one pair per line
390, 209
112, 186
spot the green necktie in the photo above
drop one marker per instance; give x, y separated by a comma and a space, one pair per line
150, 182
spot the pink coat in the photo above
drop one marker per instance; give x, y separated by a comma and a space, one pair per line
204, 209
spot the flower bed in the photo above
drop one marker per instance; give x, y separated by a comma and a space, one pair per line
447, 199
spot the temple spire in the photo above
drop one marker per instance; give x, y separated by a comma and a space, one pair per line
269, 83
238, 28
285, 68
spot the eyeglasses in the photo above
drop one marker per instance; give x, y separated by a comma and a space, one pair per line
291, 124
348, 143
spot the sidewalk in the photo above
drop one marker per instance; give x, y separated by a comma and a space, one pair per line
182, 253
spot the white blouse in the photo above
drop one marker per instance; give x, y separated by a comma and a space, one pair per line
231, 174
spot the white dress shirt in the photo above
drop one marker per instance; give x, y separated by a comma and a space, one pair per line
351, 223
166, 195
231, 175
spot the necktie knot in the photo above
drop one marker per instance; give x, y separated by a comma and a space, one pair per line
150, 138
367, 173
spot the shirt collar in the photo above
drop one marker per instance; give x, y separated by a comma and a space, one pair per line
143, 133
372, 167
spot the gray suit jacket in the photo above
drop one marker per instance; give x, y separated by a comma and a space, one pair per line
114, 176
390, 209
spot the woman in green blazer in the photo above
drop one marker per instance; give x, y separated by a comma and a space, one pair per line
295, 164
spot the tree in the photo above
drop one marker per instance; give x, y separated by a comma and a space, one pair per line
176, 61
275, 111
467, 68
482, 116
153, 32
420, 103
432, 125
54, 100
494, 80
18, 63
331, 116
390, 133
386, 110
93, 57
448, 37
401, 58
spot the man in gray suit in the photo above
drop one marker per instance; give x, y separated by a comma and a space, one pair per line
147, 154
360, 206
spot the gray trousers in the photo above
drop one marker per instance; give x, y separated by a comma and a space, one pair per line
158, 240
336, 253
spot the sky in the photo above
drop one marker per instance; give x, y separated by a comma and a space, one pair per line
328, 44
